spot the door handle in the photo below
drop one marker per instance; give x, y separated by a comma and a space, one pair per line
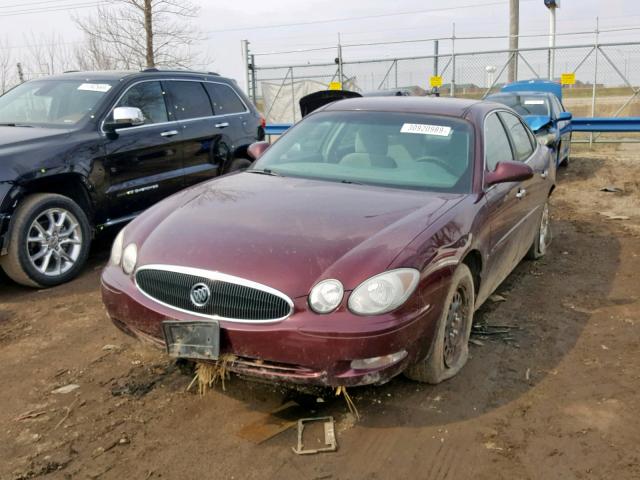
221, 125
169, 133
545, 174
521, 193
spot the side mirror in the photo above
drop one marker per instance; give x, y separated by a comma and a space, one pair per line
508, 172
124, 117
565, 116
256, 150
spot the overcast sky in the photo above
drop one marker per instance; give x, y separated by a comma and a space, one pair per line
226, 23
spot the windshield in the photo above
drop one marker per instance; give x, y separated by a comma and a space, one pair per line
524, 104
52, 103
379, 148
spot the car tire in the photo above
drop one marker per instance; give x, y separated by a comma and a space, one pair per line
61, 236
239, 164
450, 349
543, 235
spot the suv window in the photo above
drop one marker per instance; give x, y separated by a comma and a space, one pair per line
189, 100
224, 99
496, 144
148, 97
519, 135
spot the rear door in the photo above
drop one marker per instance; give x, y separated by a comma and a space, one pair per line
143, 164
504, 205
533, 192
202, 135
241, 125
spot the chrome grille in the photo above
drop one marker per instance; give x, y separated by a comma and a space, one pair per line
230, 298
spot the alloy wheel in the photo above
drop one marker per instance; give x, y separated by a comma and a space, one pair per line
455, 327
54, 242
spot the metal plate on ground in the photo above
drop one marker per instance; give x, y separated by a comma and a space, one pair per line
196, 340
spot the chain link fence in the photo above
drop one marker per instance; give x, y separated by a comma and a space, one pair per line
607, 74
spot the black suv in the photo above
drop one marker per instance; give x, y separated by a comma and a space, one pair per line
81, 152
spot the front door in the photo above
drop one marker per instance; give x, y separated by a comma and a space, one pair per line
505, 207
143, 164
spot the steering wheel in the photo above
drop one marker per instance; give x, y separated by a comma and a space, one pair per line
441, 163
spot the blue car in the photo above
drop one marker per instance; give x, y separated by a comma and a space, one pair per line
539, 102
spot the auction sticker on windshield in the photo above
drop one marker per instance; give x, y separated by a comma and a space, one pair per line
95, 87
534, 102
424, 129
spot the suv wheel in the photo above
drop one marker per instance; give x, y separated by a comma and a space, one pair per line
48, 242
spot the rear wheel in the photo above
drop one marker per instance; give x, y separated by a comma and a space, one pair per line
543, 236
450, 350
48, 242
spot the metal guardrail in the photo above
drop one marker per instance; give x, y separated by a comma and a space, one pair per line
605, 124
578, 124
277, 128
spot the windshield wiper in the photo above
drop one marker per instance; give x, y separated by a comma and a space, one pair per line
15, 125
264, 171
351, 182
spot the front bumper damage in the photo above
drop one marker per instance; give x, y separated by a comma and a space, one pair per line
284, 352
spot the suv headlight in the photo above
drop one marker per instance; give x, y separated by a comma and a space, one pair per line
384, 292
116, 248
326, 296
129, 258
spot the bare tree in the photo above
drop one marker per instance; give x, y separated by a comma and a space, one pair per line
46, 54
134, 33
6, 66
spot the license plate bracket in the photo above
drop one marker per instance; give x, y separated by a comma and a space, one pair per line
195, 340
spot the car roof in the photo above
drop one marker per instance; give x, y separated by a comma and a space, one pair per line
129, 74
454, 107
520, 93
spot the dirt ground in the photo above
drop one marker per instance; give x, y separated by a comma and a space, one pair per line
557, 397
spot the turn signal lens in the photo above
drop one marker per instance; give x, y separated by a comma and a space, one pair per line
326, 296
129, 258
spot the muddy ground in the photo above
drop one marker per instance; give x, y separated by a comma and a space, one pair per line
558, 397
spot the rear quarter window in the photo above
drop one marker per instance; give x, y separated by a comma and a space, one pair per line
224, 99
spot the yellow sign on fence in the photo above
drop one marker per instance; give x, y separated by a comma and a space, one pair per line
568, 79
335, 86
435, 81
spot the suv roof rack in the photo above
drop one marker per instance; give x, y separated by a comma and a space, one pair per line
169, 70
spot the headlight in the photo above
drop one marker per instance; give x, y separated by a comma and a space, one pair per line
129, 258
384, 292
326, 296
116, 249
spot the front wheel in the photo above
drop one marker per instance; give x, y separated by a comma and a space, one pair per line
543, 236
48, 242
450, 350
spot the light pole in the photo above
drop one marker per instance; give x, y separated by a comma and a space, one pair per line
552, 5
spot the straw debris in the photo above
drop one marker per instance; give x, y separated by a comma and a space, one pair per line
208, 373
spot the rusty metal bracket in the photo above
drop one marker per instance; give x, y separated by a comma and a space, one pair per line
331, 445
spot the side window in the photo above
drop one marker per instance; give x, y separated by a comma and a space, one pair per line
188, 100
224, 99
556, 107
148, 97
496, 144
519, 135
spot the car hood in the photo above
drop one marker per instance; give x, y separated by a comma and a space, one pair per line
10, 136
536, 122
287, 233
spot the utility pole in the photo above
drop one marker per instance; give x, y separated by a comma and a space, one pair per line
20, 72
148, 29
552, 5
514, 33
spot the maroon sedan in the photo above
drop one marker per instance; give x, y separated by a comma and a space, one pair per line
357, 247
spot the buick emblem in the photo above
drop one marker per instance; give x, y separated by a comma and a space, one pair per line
200, 294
